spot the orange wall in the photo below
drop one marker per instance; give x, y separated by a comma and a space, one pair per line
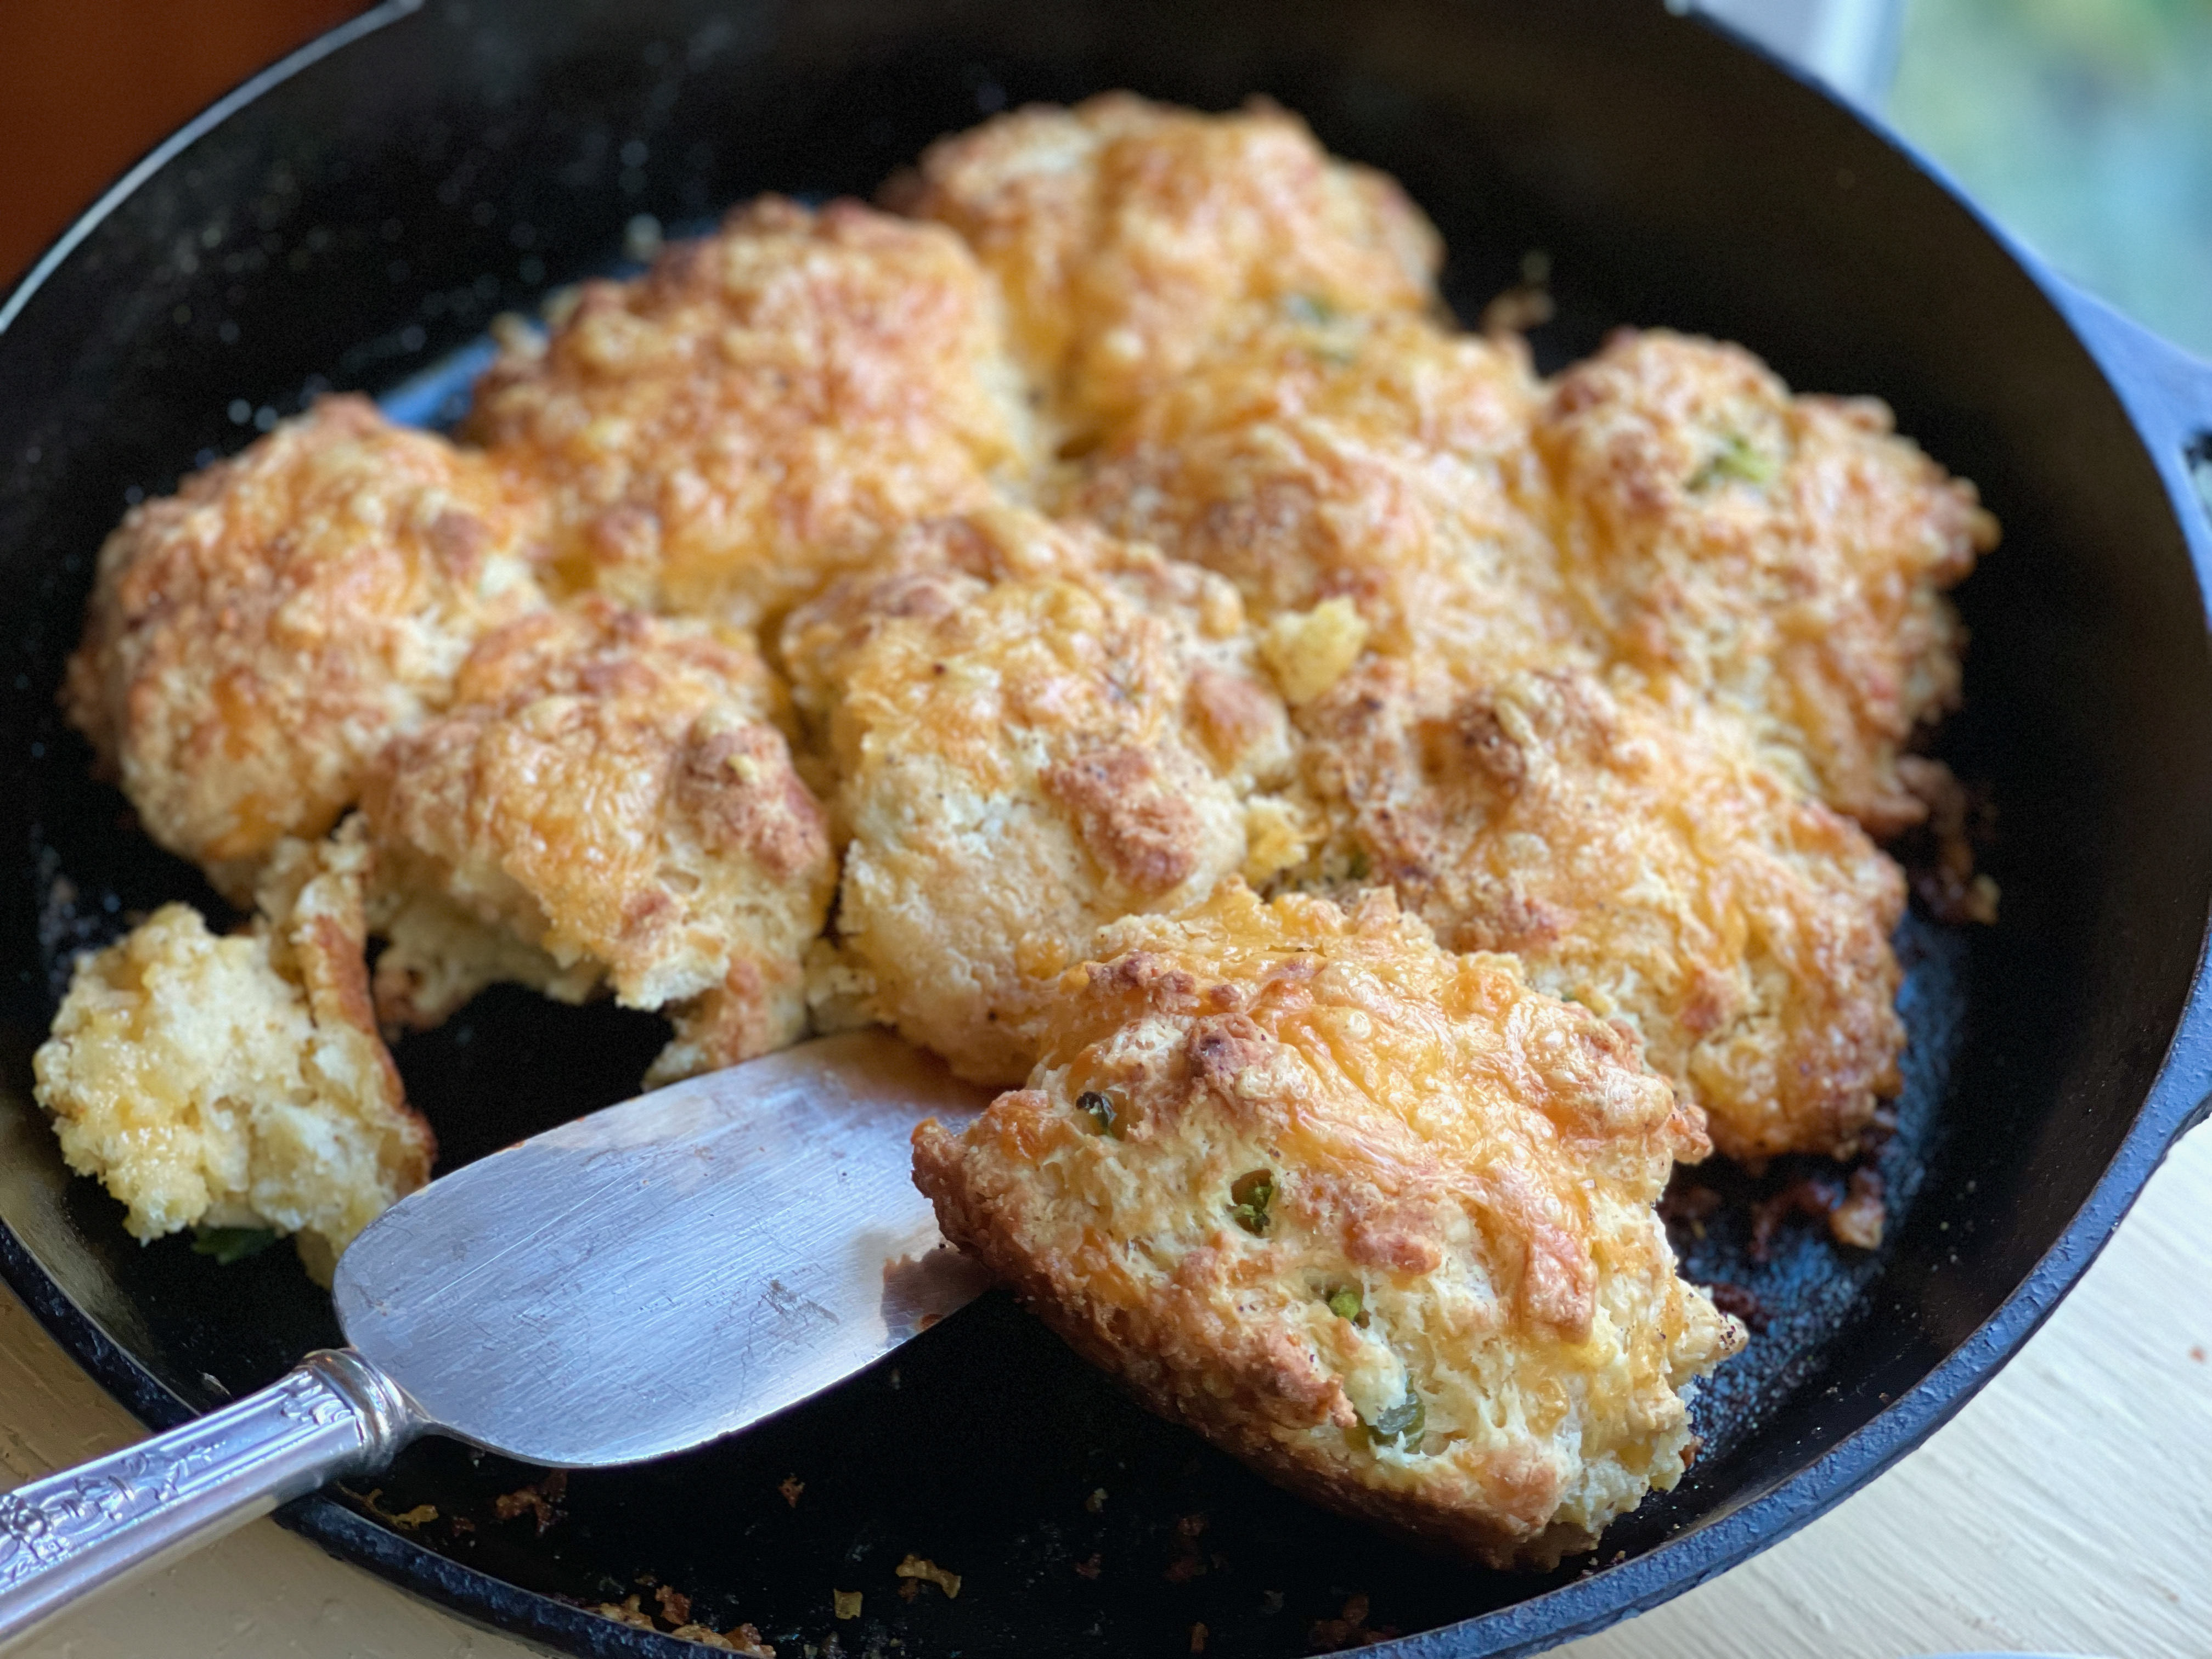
88, 86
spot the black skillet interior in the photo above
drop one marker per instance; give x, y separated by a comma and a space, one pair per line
364, 219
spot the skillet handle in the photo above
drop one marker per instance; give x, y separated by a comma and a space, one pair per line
72, 1533
2168, 392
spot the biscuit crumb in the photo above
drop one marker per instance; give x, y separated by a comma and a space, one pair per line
540, 1501
1857, 1221
407, 1520
845, 1603
918, 1568
1348, 1630
626, 1612
791, 1487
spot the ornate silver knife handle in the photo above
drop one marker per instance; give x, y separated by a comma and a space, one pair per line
73, 1532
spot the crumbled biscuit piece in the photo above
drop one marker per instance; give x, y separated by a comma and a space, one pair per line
1377, 1218
253, 640
239, 1082
1784, 556
609, 797
1034, 732
1134, 240
722, 434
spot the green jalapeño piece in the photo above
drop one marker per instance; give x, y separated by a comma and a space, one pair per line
1344, 1301
229, 1244
1100, 1110
1400, 1424
1250, 1195
1739, 461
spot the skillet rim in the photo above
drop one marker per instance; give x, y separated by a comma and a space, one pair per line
2142, 370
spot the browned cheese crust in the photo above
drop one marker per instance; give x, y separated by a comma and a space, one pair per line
1133, 239
720, 434
610, 798
1642, 862
240, 1081
1784, 556
253, 640
1037, 730
1381, 461
1455, 1314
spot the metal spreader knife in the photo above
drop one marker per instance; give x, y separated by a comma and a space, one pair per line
553, 1303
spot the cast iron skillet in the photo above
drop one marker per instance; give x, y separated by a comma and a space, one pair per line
357, 214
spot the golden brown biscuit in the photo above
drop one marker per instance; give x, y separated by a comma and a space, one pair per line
1388, 464
766, 403
609, 799
1035, 729
1641, 860
239, 1082
1134, 239
1784, 556
1376, 1219
253, 640
1379, 460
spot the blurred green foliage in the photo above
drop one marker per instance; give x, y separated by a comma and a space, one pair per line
2085, 126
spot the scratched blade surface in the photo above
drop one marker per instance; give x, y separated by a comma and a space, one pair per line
671, 1269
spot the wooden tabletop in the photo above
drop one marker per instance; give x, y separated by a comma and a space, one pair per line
2067, 1510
